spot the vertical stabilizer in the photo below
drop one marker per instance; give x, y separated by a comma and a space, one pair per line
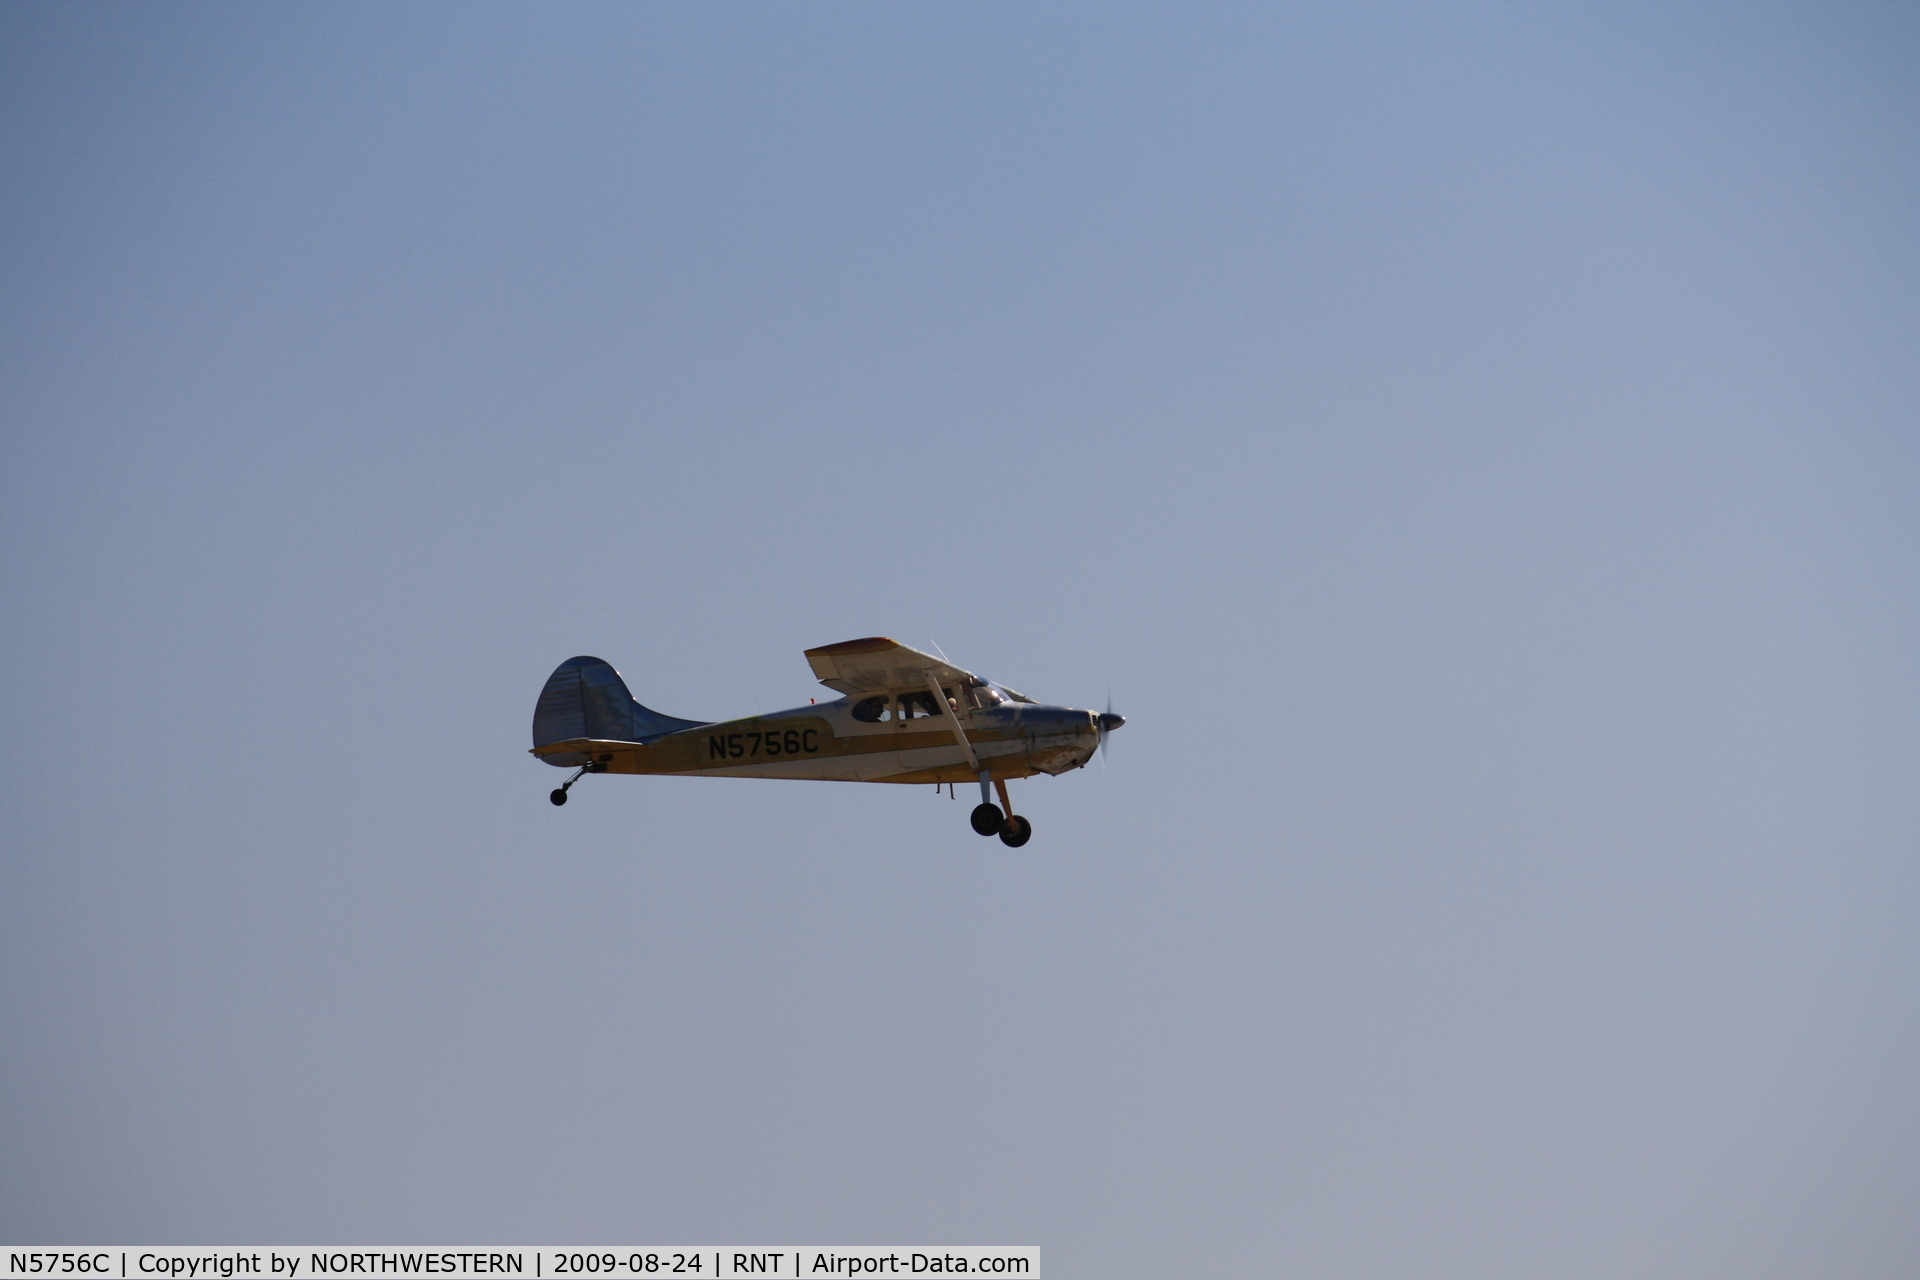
586, 698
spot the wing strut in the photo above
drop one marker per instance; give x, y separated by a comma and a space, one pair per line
953, 718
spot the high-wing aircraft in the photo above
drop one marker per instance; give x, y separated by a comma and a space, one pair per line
903, 716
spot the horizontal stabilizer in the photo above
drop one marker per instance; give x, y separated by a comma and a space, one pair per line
584, 747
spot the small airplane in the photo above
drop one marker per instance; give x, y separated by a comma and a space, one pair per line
904, 716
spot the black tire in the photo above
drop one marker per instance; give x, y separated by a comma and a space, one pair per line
559, 795
987, 819
1017, 832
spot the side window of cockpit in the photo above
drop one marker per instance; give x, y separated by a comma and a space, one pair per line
915, 706
872, 711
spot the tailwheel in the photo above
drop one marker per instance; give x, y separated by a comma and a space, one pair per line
987, 819
1016, 832
559, 794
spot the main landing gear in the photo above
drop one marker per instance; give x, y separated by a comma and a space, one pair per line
559, 794
1002, 821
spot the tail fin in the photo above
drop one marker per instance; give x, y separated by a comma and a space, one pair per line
586, 698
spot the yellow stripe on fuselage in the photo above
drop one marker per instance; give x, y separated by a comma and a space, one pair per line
806, 747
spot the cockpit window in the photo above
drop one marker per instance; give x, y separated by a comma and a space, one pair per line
872, 710
985, 695
914, 706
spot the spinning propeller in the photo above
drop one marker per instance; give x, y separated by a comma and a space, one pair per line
1108, 723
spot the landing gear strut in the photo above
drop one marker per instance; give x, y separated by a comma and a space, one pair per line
559, 793
999, 820
1016, 830
986, 819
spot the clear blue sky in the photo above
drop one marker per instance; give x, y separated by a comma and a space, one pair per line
1476, 445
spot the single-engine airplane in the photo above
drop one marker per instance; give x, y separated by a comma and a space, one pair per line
904, 716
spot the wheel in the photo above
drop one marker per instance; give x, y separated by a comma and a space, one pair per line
986, 819
559, 795
1017, 832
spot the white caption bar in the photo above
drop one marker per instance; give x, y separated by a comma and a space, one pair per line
574, 1262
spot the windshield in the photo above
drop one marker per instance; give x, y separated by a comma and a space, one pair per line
985, 695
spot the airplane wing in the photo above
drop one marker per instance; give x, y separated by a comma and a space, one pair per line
877, 663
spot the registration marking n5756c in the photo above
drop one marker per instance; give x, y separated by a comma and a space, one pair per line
734, 746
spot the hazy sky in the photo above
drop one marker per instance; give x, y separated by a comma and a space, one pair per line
1476, 446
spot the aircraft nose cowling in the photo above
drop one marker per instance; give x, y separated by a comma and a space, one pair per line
1040, 722
1058, 738
1109, 722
